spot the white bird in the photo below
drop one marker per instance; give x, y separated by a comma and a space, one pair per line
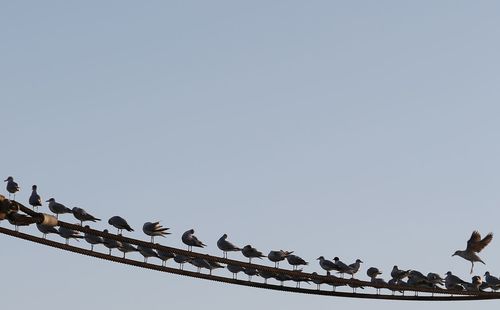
82, 215
189, 239
35, 201
110, 243
296, 261
474, 245
154, 229
251, 252
327, 265
226, 246
45, 230
58, 208
146, 252
277, 256
67, 234
126, 247
120, 224
12, 187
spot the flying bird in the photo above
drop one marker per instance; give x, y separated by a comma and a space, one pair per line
35, 201
474, 245
154, 229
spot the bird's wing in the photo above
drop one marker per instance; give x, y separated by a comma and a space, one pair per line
476, 244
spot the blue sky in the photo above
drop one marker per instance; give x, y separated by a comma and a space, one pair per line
358, 129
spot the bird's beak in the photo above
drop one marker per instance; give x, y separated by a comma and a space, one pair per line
5, 180
453, 254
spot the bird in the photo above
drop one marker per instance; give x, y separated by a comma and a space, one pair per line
214, 265
234, 269
12, 186
154, 229
452, 282
399, 274
35, 201
189, 239
120, 224
373, 272
67, 234
146, 252
475, 284
341, 266
181, 260
82, 215
164, 256
251, 252
492, 281
327, 265
58, 208
354, 267
126, 247
266, 274
474, 245
45, 230
226, 246
296, 261
317, 281
92, 239
435, 279
201, 263
18, 219
110, 243
250, 272
277, 256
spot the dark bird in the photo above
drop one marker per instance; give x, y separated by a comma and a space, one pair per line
58, 208
251, 252
296, 261
226, 246
83, 216
189, 239
120, 224
474, 245
154, 229
277, 256
35, 201
45, 230
67, 234
12, 186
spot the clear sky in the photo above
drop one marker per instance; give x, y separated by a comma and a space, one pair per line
358, 129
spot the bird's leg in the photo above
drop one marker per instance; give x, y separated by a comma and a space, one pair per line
67, 241
123, 254
109, 251
91, 248
472, 267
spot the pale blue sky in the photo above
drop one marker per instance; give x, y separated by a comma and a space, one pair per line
358, 129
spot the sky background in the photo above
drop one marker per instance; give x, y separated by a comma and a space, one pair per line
358, 129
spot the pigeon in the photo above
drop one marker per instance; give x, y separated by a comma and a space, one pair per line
277, 256
452, 282
154, 229
146, 252
226, 246
67, 234
45, 230
58, 208
35, 201
120, 224
296, 261
189, 239
82, 215
327, 265
474, 245
251, 252
110, 243
12, 186
126, 248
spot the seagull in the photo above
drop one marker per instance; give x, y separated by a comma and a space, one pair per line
35, 201
492, 281
58, 208
398, 274
250, 272
452, 282
474, 245
181, 260
354, 267
226, 246
164, 256
214, 265
67, 233
316, 281
435, 279
12, 186
190, 240
341, 266
475, 285
146, 252
234, 269
201, 263
18, 219
296, 261
327, 265
266, 275
154, 229
277, 256
251, 252
92, 239
299, 278
110, 243
120, 224
282, 277
126, 247
45, 230
82, 215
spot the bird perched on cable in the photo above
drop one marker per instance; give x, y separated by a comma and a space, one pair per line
58, 208
154, 229
474, 245
35, 201
399, 274
452, 282
277, 256
146, 252
341, 266
12, 186
492, 281
251, 252
354, 267
296, 261
120, 224
226, 246
82, 215
67, 234
189, 239
45, 230
327, 265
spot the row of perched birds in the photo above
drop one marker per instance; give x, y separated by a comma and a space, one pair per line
402, 278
